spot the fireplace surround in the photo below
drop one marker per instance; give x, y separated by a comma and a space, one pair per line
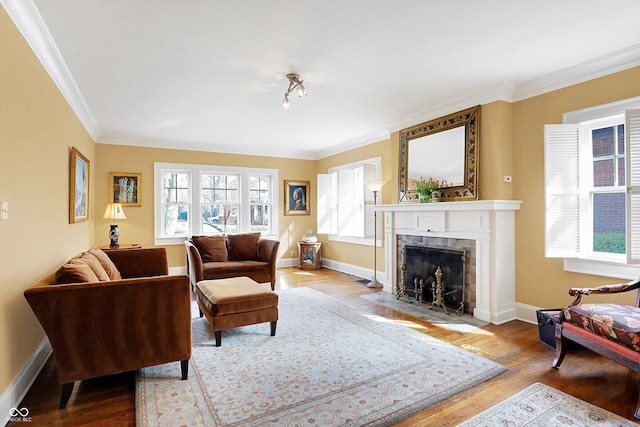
484, 228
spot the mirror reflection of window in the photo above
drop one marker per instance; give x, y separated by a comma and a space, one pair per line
439, 156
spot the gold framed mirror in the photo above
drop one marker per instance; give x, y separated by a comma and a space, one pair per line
443, 149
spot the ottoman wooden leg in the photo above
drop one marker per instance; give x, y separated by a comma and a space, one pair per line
273, 328
218, 338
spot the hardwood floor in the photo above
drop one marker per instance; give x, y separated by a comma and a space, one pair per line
110, 401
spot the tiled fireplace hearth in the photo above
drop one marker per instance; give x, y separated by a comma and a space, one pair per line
485, 229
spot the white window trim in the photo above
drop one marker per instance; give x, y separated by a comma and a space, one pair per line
367, 240
196, 171
607, 268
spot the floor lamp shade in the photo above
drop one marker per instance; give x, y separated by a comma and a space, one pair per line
375, 186
114, 212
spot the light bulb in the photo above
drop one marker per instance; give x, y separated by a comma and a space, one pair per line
285, 102
301, 90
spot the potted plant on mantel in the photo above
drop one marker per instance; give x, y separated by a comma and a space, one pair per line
429, 189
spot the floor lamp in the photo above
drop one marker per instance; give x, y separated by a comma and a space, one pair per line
375, 186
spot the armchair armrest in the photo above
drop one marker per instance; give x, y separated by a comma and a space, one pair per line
604, 289
194, 263
268, 250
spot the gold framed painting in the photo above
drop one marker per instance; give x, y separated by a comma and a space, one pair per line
125, 188
79, 173
296, 197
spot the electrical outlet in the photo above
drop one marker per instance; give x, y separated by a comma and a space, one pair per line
293, 254
4, 210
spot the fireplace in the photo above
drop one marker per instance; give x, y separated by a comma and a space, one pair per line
483, 229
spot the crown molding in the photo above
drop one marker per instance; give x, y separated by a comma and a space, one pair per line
207, 147
598, 67
27, 19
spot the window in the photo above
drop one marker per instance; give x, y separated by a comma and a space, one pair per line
591, 189
203, 199
345, 204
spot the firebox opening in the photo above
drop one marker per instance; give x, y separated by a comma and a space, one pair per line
434, 276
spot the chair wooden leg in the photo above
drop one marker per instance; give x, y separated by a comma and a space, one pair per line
184, 368
218, 338
67, 388
561, 347
273, 328
273, 286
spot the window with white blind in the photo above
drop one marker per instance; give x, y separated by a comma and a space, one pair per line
345, 204
592, 189
206, 199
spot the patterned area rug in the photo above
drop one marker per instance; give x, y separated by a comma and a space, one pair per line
543, 406
329, 364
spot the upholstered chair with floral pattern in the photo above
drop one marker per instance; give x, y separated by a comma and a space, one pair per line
612, 330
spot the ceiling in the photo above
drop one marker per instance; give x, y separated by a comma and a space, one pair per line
211, 74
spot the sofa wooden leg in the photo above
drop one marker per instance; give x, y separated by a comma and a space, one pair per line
273, 328
67, 388
218, 338
184, 368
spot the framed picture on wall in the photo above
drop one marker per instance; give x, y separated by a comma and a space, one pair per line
125, 188
79, 173
296, 197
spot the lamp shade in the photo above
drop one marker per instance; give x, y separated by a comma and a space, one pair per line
114, 211
375, 185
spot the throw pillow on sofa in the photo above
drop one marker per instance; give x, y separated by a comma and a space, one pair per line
243, 247
75, 271
95, 266
211, 248
106, 263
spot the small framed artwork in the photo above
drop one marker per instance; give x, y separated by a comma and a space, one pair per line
79, 174
125, 188
296, 197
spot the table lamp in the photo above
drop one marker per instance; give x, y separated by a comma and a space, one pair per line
114, 211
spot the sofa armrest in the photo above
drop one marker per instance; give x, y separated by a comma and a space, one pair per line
103, 328
140, 262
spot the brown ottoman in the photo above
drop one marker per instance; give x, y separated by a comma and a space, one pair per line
234, 302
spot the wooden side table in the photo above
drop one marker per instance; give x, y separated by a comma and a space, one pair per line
123, 246
310, 255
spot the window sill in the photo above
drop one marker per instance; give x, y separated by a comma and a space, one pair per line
619, 270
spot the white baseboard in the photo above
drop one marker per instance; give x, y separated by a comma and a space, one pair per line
526, 313
16, 391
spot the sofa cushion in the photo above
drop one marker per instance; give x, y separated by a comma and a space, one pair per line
243, 246
211, 248
617, 322
95, 266
75, 271
106, 263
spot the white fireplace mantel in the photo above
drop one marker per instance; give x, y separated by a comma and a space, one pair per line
491, 223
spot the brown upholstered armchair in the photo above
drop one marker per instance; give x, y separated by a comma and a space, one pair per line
234, 255
114, 325
612, 330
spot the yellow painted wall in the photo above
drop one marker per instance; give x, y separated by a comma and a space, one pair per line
138, 227
540, 281
37, 131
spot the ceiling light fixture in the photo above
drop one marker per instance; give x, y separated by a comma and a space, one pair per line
295, 84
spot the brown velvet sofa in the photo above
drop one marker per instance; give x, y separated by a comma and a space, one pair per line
234, 255
112, 311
